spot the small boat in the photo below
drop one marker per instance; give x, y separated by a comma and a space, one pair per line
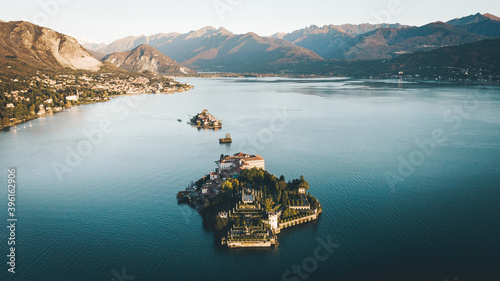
180, 120
227, 139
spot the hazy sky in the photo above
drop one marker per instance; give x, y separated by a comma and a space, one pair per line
105, 21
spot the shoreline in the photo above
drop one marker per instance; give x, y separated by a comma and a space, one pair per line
19, 122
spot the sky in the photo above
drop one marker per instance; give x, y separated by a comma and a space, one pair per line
106, 21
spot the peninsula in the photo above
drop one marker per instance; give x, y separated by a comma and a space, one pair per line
248, 206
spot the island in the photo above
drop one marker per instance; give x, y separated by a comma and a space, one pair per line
205, 120
227, 139
246, 206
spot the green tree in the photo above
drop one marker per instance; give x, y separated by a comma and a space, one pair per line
289, 213
5, 121
282, 185
220, 223
284, 199
268, 204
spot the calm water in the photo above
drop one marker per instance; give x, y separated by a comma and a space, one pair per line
115, 209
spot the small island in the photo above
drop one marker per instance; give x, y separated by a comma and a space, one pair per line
227, 139
248, 206
205, 120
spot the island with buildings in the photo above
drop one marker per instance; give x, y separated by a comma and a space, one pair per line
248, 206
205, 120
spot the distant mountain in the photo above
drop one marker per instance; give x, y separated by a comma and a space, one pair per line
147, 58
211, 49
489, 28
473, 61
218, 50
481, 24
386, 43
323, 40
483, 54
95, 54
38, 46
473, 19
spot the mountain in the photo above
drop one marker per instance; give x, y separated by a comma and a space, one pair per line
386, 43
489, 28
472, 61
473, 19
483, 54
481, 24
95, 54
147, 58
37, 46
211, 49
323, 40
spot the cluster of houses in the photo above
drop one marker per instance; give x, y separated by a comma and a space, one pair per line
108, 82
206, 120
230, 167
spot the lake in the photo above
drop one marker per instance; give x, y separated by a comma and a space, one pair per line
408, 175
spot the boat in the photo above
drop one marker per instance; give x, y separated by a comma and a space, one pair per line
180, 120
227, 139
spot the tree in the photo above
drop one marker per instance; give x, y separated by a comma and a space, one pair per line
278, 195
282, 185
284, 199
227, 185
289, 213
220, 223
6, 121
314, 203
268, 204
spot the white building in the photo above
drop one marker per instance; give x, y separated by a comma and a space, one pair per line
74, 97
242, 160
273, 220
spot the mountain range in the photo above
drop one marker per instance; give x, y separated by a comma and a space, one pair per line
472, 61
311, 50
211, 49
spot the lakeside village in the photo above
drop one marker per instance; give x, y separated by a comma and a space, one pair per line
44, 94
246, 205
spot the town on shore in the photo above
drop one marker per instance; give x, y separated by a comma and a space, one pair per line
247, 205
43, 94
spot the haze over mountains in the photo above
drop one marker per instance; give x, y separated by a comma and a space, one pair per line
211, 49
311, 50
